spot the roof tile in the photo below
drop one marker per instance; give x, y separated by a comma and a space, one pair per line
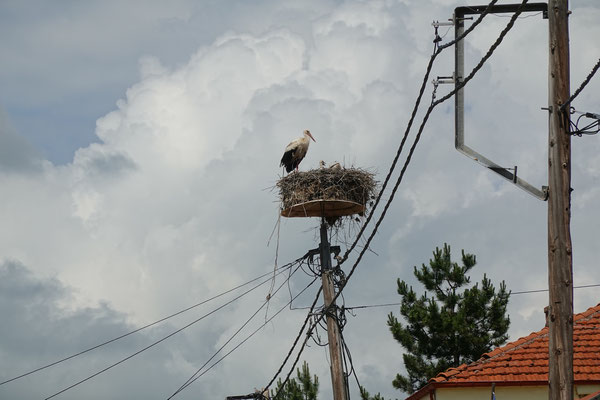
526, 359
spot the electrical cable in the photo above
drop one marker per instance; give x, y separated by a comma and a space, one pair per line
238, 331
415, 142
590, 129
411, 151
545, 290
580, 88
143, 327
522, 17
458, 87
445, 33
512, 293
287, 378
499, 15
287, 357
160, 340
373, 306
352, 369
247, 338
362, 230
437, 50
313, 274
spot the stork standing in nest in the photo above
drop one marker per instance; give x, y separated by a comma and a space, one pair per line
295, 152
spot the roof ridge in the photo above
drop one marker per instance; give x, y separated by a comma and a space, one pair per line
451, 371
587, 314
514, 346
526, 340
517, 344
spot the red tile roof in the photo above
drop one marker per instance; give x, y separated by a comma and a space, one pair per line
525, 361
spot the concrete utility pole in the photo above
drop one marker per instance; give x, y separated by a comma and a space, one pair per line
338, 379
560, 257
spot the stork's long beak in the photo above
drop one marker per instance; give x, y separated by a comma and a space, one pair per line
310, 135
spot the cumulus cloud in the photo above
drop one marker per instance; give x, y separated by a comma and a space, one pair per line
175, 201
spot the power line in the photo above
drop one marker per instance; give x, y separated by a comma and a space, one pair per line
437, 51
459, 86
282, 268
580, 88
415, 142
545, 290
352, 369
287, 378
412, 149
512, 293
247, 338
186, 383
160, 340
589, 129
287, 357
521, 17
474, 10
373, 306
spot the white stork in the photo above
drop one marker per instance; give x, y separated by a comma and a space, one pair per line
295, 152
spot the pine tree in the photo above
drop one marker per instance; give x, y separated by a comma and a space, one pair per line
307, 388
365, 395
303, 389
447, 327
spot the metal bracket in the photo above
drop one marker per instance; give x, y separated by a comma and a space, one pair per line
441, 80
459, 98
336, 250
436, 24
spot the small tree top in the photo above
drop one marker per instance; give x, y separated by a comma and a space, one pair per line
447, 326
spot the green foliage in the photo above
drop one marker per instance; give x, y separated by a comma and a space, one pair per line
307, 389
303, 389
364, 395
449, 327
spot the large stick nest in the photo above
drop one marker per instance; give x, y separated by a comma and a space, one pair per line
349, 184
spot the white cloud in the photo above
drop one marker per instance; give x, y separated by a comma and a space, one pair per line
172, 205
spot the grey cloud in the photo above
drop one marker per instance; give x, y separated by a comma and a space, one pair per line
198, 220
16, 153
98, 162
84, 56
37, 330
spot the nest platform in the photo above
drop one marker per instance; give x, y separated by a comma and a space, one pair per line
326, 192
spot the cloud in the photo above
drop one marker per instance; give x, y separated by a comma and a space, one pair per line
189, 117
39, 327
16, 153
42, 327
175, 203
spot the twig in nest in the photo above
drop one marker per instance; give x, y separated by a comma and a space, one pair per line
351, 184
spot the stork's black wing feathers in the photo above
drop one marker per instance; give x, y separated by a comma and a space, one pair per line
287, 160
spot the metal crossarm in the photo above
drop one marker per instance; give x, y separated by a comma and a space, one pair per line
459, 122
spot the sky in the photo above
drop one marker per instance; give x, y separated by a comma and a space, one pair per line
139, 150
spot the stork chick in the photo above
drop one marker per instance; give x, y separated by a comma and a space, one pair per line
295, 152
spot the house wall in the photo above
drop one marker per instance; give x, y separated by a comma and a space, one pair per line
584, 390
502, 393
505, 392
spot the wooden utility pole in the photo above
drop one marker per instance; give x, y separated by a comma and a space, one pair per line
560, 261
338, 380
